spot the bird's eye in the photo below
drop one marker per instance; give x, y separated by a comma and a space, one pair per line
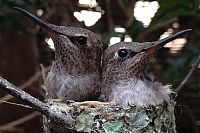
81, 40
122, 53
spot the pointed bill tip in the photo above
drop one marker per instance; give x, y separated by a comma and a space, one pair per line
22, 11
160, 43
43, 24
186, 30
172, 37
17, 8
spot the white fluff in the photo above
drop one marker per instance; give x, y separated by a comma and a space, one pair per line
139, 93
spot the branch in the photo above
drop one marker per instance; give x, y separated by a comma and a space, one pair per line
28, 83
53, 113
194, 66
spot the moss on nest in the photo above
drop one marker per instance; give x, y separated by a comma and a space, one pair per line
108, 118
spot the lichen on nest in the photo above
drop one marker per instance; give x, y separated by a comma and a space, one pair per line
98, 117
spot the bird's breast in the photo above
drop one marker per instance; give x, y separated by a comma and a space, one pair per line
139, 93
71, 87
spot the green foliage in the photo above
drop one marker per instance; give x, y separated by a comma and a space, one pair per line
135, 29
176, 8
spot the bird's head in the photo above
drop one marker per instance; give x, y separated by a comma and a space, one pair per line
76, 49
126, 60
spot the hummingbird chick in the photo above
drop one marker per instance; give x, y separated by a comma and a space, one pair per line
75, 74
125, 79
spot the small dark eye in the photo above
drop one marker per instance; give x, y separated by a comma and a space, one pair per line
81, 40
122, 53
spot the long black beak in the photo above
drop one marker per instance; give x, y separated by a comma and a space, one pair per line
160, 43
47, 26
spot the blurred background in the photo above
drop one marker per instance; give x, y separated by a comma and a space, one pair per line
24, 46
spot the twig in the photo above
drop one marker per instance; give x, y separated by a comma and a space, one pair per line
19, 121
25, 97
194, 66
53, 113
28, 83
16, 104
13, 130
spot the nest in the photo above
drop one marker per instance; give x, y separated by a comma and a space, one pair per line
98, 117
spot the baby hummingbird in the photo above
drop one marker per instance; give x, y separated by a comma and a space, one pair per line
125, 79
75, 73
